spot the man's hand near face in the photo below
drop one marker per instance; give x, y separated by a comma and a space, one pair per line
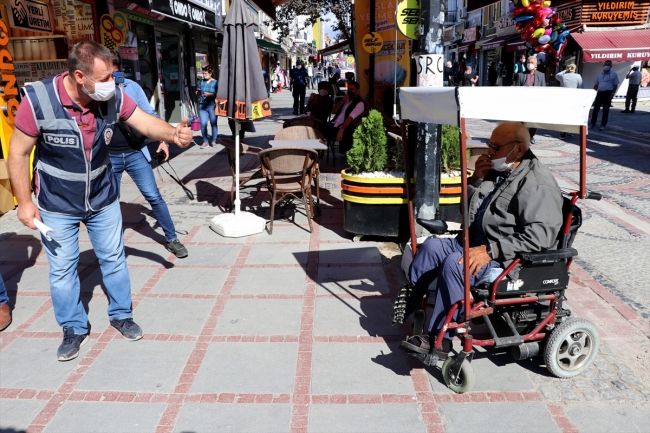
483, 166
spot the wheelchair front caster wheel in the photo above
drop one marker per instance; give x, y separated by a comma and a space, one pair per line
465, 379
571, 348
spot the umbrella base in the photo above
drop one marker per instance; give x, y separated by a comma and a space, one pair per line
244, 224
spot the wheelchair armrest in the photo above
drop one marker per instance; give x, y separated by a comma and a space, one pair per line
436, 227
549, 256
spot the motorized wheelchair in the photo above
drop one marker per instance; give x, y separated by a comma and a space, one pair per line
526, 314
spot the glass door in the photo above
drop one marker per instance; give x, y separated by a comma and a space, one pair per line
172, 76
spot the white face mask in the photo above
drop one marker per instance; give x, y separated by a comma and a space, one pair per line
500, 164
322, 92
103, 91
530, 66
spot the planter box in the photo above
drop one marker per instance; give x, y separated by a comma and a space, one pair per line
374, 206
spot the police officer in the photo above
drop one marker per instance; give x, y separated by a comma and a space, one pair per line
70, 119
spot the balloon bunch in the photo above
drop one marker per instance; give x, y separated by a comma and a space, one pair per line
541, 29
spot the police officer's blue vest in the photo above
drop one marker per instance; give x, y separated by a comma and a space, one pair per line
66, 182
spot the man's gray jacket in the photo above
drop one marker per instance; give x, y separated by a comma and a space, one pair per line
525, 213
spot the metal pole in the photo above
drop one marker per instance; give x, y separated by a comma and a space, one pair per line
583, 161
465, 213
237, 145
371, 72
427, 153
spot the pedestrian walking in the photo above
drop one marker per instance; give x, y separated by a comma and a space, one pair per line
128, 152
299, 79
606, 84
571, 79
519, 68
207, 91
492, 74
5, 310
634, 80
71, 118
470, 78
533, 78
310, 73
318, 72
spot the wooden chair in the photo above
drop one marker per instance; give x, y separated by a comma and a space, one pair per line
304, 133
244, 176
288, 172
303, 121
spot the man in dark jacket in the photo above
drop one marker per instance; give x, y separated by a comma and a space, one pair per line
515, 206
533, 78
299, 78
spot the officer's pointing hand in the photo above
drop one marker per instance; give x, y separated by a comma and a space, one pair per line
183, 134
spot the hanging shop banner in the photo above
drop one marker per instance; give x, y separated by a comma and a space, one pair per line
430, 70
388, 74
36, 71
408, 18
185, 11
30, 15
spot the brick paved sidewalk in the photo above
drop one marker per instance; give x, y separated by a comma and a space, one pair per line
282, 333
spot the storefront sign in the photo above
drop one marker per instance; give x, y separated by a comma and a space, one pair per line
470, 34
77, 19
185, 11
30, 15
30, 72
448, 35
623, 55
506, 26
372, 43
570, 13
614, 12
430, 70
408, 18
112, 30
144, 11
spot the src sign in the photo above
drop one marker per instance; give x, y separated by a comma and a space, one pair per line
185, 11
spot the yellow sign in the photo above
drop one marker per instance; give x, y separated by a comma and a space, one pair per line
350, 60
373, 42
408, 18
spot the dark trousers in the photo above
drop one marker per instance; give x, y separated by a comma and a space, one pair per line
438, 258
532, 132
330, 132
630, 96
603, 99
231, 125
299, 98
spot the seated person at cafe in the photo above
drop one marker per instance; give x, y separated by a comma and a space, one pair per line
515, 206
320, 104
346, 112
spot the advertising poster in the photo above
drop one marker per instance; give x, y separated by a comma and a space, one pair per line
388, 74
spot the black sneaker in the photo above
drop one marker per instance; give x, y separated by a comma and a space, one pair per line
128, 328
69, 348
177, 248
532, 140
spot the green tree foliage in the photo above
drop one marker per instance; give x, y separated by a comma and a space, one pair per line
369, 145
314, 9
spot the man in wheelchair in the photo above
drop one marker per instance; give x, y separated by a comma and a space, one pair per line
515, 206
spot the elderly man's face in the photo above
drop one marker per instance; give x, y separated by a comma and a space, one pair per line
532, 61
101, 73
503, 142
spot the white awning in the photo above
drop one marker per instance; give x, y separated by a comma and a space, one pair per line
554, 108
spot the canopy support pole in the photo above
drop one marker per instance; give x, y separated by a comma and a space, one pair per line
407, 181
465, 212
583, 161
237, 204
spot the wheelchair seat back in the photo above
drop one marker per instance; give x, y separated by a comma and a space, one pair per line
546, 271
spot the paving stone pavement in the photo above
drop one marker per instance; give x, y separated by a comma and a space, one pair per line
290, 332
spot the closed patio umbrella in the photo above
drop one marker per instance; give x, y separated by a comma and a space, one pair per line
241, 96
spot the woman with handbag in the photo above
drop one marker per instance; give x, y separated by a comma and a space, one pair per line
129, 153
207, 91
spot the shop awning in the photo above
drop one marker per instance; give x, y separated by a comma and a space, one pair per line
336, 48
270, 47
498, 42
616, 45
479, 44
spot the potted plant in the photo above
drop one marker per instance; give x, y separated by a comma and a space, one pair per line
450, 180
374, 198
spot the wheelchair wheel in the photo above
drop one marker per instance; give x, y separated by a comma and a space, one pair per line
465, 380
571, 347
